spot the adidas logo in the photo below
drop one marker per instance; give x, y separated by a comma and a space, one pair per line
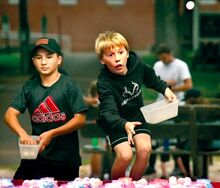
48, 111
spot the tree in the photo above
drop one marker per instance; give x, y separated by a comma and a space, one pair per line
24, 36
167, 22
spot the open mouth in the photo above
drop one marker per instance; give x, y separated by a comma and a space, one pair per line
118, 66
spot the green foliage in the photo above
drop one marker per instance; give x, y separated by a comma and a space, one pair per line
208, 82
149, 59
9, 63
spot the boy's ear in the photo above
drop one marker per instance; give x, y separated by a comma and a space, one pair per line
60, 58
33, 60
102, 62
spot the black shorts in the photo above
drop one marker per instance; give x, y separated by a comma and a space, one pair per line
116, 137
164, 157
35, 169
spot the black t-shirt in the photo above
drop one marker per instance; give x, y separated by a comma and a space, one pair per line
49, 108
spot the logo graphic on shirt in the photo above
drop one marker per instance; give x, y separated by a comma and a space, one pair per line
48, 111
130, 94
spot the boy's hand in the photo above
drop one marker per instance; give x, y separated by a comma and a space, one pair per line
129, 127
169, 95
45, 139
27, 140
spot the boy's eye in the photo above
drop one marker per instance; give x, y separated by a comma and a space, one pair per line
109, 54
37, 57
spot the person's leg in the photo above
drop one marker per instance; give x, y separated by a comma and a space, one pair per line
163, 169
27, 170
96, 168
143, 149
182, 161
164, 159
186, 163
122, 160
151, 168
64, 173
181, 166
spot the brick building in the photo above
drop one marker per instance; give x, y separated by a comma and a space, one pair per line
80, 23
76, 23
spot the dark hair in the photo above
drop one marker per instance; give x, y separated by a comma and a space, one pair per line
163, 48
194, 96
192, 93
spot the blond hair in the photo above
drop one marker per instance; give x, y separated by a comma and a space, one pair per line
108, 40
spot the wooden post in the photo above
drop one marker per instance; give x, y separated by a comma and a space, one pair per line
25, 62
193, 141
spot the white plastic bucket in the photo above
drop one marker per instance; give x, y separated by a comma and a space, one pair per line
29, 151
160, 111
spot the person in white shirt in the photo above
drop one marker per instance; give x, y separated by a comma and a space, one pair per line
177, 75
174, 71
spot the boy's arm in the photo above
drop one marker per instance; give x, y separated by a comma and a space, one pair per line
11, 119
151, 80
73, 124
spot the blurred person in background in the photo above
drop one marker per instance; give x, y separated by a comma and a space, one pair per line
91, 99
176, 74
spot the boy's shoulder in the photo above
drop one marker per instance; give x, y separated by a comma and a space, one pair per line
35, 80
32, 80
68, 82
68, 79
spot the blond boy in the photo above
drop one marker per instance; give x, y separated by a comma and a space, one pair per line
119, 89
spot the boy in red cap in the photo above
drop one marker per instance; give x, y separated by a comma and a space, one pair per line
57, 110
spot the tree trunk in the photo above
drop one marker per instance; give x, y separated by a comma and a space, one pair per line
24, 37
167, 22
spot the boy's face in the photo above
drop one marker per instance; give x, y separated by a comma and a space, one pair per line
46, 62
116, 60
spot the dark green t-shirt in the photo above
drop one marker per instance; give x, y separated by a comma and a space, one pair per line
49, 108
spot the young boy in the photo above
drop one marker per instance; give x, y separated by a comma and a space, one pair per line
57, 110
119, 89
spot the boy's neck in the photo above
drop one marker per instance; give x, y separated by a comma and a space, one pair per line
48, 81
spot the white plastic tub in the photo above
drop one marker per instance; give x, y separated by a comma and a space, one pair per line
29, 151
160, 111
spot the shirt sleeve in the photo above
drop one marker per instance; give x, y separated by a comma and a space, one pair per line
185, 73
109, 117
76, 99
20, 101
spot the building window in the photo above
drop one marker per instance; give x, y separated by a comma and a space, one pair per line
115, 2
209, 24
68, 2
13, 2
208, 2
